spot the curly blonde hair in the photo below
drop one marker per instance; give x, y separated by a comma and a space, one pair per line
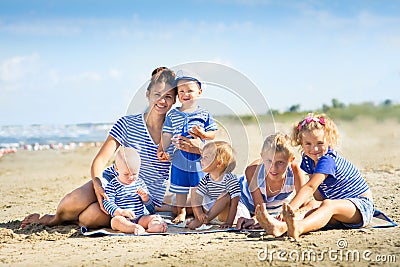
316, 122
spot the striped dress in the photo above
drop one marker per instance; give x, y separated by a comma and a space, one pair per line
131, 131
124, 197
274, 203
343, 180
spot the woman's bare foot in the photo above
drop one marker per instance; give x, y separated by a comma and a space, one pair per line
271, 225
193, 224
291, 222
35, 218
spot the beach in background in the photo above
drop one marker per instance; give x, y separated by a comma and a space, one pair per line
35, 181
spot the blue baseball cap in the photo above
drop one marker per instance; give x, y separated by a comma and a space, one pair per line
188, 78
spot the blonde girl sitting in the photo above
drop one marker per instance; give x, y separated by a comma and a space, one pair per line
272, 179
343, 197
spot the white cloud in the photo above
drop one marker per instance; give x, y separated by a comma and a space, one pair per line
88, 76
17, 68
42, 28
115, 74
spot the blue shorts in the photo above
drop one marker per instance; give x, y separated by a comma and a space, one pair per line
186, 172
366, 207
136, 219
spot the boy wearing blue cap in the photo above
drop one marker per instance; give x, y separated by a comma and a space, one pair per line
191, 121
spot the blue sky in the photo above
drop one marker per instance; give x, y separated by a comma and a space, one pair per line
82, 61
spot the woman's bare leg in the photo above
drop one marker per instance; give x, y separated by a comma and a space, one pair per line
68, 209
94, 217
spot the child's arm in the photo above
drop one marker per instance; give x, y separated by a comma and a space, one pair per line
197, 206
307, 190
251, 173
198, 132
232, 213
145, 195
299, 177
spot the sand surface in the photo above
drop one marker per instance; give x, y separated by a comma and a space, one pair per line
36, 181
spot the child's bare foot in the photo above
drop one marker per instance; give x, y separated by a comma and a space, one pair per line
35, 218
157, 228
194, 224
179, 218
270, 224
293, 229
136, 229
157, 225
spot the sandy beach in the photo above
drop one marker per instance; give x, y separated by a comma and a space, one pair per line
35, 181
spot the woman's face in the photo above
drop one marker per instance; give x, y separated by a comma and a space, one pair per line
161, 97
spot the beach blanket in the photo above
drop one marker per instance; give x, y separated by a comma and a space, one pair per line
380, 220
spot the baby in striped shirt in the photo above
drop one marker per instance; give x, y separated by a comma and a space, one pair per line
218, 192
126, 196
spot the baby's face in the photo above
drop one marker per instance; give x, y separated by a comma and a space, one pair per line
127, 175
188, 91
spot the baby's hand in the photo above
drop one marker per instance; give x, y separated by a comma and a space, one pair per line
143, 194
126, 213
163, 156
197, 132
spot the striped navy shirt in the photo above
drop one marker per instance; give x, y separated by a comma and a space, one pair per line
179, 123
343, 180
131, 131
273, 203
124, 197
214, 189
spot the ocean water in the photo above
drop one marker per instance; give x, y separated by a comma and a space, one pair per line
53, 134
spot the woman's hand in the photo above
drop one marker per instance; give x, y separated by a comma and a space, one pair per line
100, 193
225, 225
187, 144
245, 223
203, 218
